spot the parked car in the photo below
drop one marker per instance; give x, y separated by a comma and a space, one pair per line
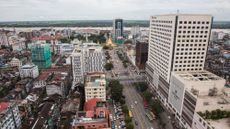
136, 123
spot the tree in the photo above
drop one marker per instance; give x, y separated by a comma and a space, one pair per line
108, 66
65, 40
156, 107
125, 109
141, 86
147, 95
129, 126
128, 119
116, 90
105, 47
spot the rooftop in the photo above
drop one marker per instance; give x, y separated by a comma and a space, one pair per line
88, 120
91, 104
28, 66
4, 106
179, 14
71, 105
220, 124
211, 103
198, 76
95, 77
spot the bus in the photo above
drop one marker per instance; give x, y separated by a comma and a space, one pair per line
152, 115
130, 114
149, 116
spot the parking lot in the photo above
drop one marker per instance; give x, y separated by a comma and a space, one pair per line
116, 116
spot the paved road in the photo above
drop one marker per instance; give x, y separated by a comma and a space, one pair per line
131, 95
138, 110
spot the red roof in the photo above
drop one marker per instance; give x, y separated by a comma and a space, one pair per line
3, 106
43, 75
91, 104
89, 114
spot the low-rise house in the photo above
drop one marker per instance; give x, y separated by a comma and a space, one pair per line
47, 117
9, 116
25, 84
15, 62
29, 70
56, 84
69, 109
95, 115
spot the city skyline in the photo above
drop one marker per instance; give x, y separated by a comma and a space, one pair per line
40, 10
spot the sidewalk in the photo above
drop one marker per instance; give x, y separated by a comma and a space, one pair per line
166, 121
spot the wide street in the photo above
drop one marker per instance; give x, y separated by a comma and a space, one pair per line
130, 93
138, 110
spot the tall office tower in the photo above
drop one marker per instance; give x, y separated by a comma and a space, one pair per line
177, 43
117, 28
88, 57
41, 55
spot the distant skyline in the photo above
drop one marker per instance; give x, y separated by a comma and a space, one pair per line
45, 10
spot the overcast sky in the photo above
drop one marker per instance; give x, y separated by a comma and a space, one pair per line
32, 10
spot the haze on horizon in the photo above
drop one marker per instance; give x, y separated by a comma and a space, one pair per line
43, 10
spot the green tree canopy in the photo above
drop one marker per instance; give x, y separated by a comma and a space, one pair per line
147, 95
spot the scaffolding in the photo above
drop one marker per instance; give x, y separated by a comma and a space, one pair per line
41, 55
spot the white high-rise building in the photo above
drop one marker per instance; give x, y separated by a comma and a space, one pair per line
88, 57
177, 42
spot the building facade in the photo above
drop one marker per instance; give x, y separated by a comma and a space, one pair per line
177, 42
15, 62
64, 48
117, 28
94, 116
9, 116
95, 86
29, 70
88, 57
141, 54
41, 55
193, 93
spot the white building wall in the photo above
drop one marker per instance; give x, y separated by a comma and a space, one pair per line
54, 89
161, 38
95, 92
87, 58
176, 94
29, 72
191, 42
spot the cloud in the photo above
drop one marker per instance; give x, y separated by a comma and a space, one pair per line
23, 10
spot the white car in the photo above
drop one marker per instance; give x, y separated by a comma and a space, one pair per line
135, 102
114, 118
132, 106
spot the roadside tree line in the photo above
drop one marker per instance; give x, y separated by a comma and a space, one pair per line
109, 65
154, 104
116, 89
